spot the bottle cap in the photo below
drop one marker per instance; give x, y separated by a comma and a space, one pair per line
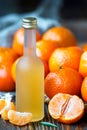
29, 23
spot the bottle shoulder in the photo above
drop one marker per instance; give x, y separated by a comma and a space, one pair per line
30, 61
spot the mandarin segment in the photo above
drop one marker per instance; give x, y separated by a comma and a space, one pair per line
64, 80
19, 118
9, 106
4, 115
66, 108
2, 105
5, 106
57, 105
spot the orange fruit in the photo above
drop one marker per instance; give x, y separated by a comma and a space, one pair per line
64, 80
46, 68
66, 108
69, 57
84, 89
45, 48
38, 35
63, 36
19, 118
7, 57
6, 81
83, 64
18, 40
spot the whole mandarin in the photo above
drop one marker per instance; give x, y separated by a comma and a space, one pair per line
18, 40
64, 80
83, 64
67, 56
7, 57
84, 89
46, 68
6, 81
13, 70
44, 49
62, 35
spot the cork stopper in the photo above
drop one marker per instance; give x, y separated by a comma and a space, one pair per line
29, 23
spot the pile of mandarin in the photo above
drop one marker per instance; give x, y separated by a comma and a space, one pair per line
65, 74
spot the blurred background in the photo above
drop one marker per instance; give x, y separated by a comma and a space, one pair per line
70, 9
18, 6
76, 9
69, 13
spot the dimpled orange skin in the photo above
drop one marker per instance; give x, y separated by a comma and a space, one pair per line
68, 57
63, 36
7, 57
45, 48
84, 89
64, 80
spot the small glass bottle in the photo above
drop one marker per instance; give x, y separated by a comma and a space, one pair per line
30, 75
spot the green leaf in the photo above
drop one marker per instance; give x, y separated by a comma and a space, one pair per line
48, 124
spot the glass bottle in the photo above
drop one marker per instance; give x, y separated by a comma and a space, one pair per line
30, 75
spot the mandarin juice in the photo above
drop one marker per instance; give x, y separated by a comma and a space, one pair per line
30, 77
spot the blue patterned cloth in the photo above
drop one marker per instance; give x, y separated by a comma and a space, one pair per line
47, 16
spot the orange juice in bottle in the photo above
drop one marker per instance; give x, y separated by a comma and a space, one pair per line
30, 75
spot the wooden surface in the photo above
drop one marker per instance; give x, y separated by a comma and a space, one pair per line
81, 125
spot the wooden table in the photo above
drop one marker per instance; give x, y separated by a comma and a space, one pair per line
81, 125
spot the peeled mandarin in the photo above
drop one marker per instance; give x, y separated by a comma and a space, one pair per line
66, 108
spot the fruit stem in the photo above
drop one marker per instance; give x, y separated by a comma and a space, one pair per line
60, 67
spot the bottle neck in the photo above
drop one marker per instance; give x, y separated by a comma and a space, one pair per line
30, 42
